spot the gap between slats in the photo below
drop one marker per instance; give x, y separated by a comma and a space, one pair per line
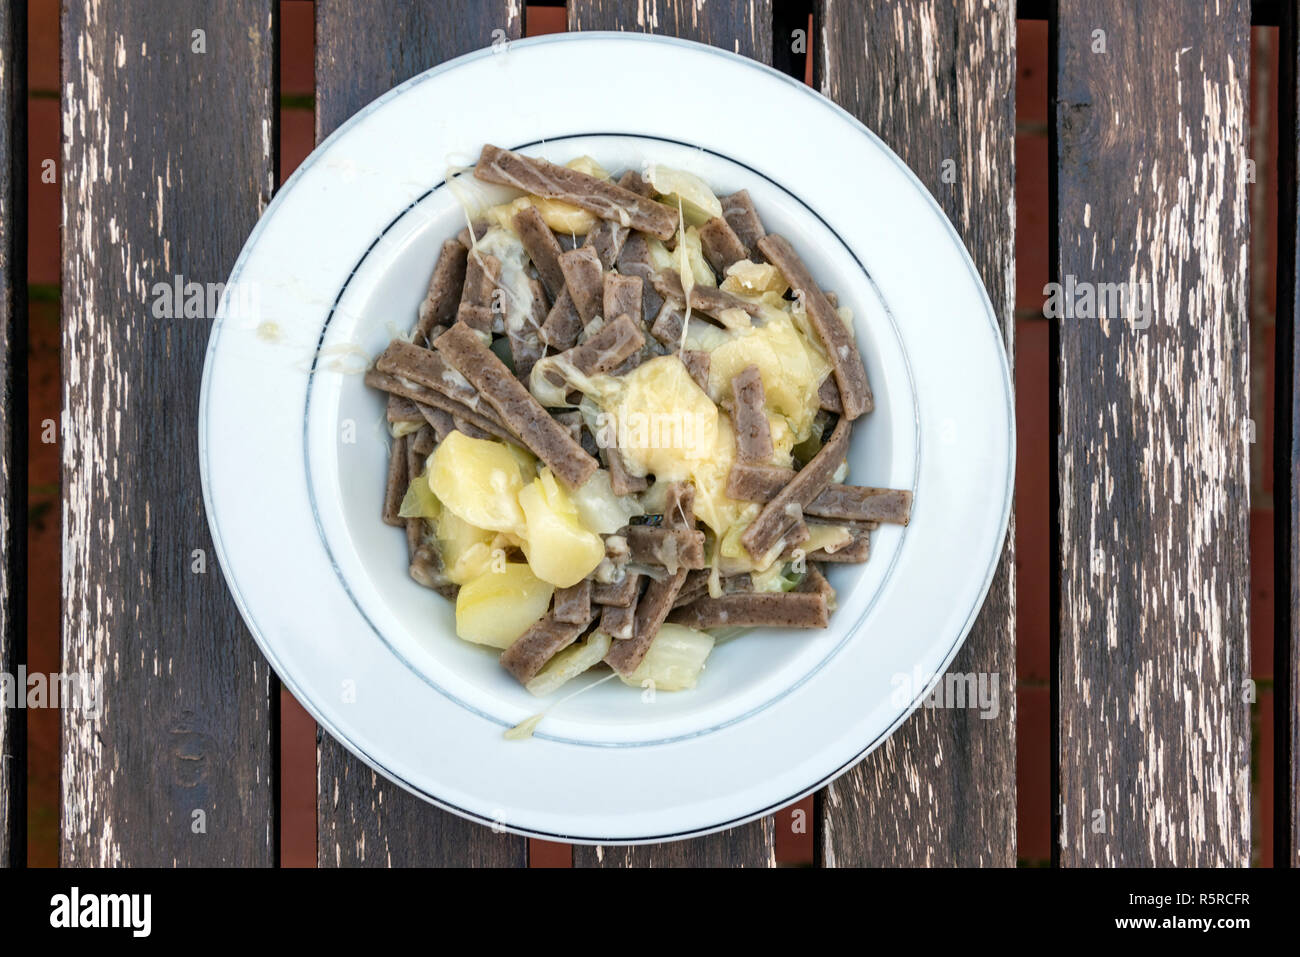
13, 423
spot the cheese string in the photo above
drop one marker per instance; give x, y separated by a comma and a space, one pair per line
524, 729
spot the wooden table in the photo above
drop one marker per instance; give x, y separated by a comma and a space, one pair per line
168, 160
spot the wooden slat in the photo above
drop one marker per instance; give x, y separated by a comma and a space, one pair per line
936, 83
743, 26
13, 408
167, 164
1286, 456
362, 51
1151, 188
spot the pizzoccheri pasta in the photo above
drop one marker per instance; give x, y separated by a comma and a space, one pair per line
621, 423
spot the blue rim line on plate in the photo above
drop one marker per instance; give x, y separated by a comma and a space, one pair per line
849, 634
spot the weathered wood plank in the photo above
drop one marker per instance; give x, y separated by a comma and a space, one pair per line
936, 82
742, 26
1286, 457
362, 51
167, 139
1154, 734
13, 417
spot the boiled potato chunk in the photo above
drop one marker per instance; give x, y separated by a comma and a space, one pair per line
479, 481
560, 549
497, 607
674, 661
466, 551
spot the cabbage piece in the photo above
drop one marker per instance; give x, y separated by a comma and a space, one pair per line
674, 661
419, 501
600, 509
698, 203
570, 663
689, 254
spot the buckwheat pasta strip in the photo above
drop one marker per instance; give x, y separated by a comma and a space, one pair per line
621, 481
428, 398
573, 604
563, 324
850, 503
634, 260
749, 416
841, 350
395, 487
526, 345
427, 368
602, 352
774, 520
402, 410
515, 406
657, 600
706, 299
542, 248
857, 549
791, 609
697, 366
443, 295
481, 275
606, 240
584, 280
738, 210
539, 644
622, 297
672, 548
621, 594
722, 247
667, 325
618, 621
604, 199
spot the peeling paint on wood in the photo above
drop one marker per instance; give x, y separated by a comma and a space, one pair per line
362, 51
742, 26
1154, 734
13, 411
936, 81
165, 169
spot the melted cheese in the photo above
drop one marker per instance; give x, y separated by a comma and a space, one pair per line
790, 368
669, 428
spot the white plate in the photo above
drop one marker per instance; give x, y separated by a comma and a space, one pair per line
294, 450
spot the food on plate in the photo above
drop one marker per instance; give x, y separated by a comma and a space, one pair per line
621, 422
